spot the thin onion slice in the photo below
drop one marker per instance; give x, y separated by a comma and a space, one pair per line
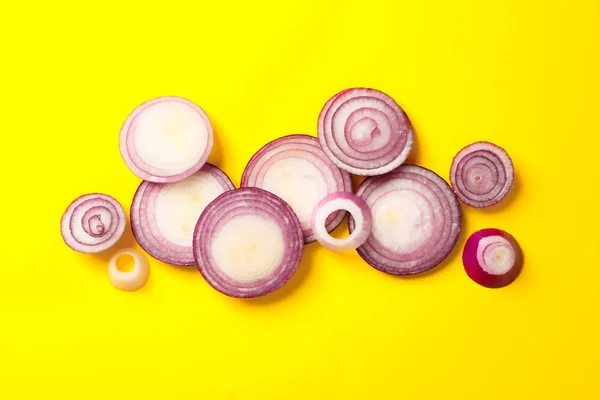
416, 220
166, 139
295, 168
482, 174
93, 223
130, 280
361, 215
248, 242
163, 215
365, 132
492, 258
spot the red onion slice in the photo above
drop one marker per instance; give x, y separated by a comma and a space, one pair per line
248, 242
482, 174
166, 139
296, 169
416, 220
163, 215
93, 223
365, 132
492, 258
361, 215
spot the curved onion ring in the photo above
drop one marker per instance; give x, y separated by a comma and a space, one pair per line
131, 280
248, 242
365, 132
416, 220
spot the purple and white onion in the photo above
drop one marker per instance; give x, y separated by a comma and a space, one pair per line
166, 139
416, 220
482, 174
93, 223
365, 132
248, 242
163, 215
295, 168
492, 258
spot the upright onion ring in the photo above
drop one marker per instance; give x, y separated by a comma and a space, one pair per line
295, 168
166, 139
416, 220
93, 223
163, 215
482, 174
248, 242
365, 132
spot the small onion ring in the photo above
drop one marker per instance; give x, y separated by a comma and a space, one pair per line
361, 214
482, 174
93, 223
295, 168
130, 280
365, 132
248, 242
492, 258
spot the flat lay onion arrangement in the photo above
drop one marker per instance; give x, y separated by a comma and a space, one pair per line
247, 242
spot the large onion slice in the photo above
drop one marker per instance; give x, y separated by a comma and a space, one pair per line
416, 220
295, 168
163, 215
482, 174
248, 242
492, 258
365, 132
93, 223
166, 139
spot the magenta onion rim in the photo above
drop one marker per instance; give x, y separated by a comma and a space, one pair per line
241, 203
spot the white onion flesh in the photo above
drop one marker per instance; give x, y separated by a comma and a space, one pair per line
129, 280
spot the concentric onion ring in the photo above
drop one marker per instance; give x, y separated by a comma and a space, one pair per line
365, 132
93, 223
416, 220
295, 168
248, 242
482, 174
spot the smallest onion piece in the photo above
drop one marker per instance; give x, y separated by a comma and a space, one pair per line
361, 214
130, 280
492, 258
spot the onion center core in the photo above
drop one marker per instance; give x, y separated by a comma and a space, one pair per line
364, 131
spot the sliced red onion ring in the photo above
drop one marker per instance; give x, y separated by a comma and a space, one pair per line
416, 220
492, 258
482, 174
163, 215
166, 139
130, 280
361, 214
365, 132
296, 169
248, 242
93, 223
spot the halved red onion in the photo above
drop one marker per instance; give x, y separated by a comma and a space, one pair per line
492, 258
93, 223
163, 215
365, 132
295, 168
482, 174
361, 215
248, 242
416, 220
166, 139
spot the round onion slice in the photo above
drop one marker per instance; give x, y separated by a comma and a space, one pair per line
248, 242
93, 223
296, 169
131, 280
361, 215
166, 139
416, 220
365, 132
492, 258
163, 215
482, 174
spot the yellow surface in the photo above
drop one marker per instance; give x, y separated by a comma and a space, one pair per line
523, 74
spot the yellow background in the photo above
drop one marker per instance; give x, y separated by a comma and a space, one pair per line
523, 74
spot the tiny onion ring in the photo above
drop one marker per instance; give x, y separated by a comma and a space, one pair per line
131, 280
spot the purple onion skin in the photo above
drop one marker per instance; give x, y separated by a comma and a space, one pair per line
474, 270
